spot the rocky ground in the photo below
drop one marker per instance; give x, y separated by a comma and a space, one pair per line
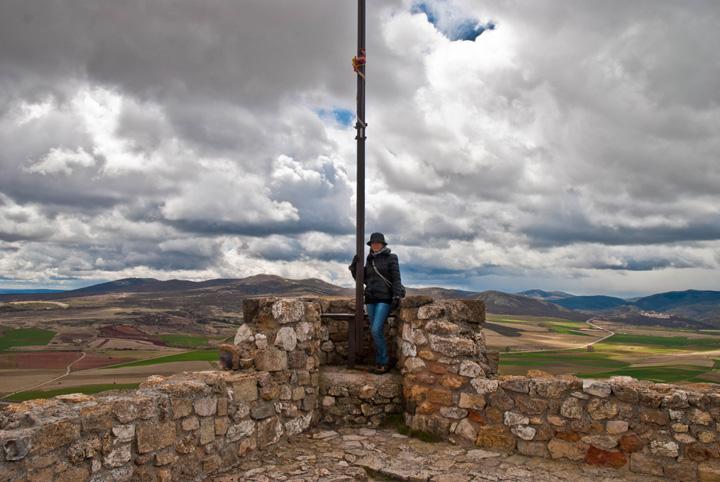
381, 455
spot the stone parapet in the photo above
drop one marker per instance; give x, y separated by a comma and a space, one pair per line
185, 427
644, 427
349, 397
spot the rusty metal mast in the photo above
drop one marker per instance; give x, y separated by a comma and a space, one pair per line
355, 328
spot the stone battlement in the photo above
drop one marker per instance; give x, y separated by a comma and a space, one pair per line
285, 379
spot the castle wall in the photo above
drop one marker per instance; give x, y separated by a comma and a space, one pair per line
192, 425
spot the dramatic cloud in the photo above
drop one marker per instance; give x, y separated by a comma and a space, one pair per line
511, 145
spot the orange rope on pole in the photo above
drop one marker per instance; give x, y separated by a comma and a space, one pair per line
359, 62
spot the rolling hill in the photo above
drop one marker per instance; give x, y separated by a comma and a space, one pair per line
507, 304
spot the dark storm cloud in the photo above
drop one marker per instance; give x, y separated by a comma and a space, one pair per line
183, 138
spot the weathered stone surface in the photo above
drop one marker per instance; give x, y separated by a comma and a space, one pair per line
237, 431
524, 432
298, 424
664, 448
138, 407
709, 472
271, 360
466, 430
563, 449
453, 412
685, 471
600, 409
532, 449
597, 388
645, 465
120, 455
472, 401
677, 399
286, 338
304, 331
205, 406
262, 410
631, 443
54, 435
452, 346
529, 405
269, 431
442, 327
207, 430
699, 417
512, 418
96, 418
604, 442
616, 426
495, 437
571, 408
124, 433
548, 388
288, 311
367, 391
428, 312
165, 457
413, 364
658, 417
515, 384
484, 386
470, 369
243, 334
598, 456
154, 435
261, 341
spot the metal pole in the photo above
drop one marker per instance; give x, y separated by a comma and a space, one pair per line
355, 331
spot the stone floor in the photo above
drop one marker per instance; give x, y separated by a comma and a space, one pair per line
381, 455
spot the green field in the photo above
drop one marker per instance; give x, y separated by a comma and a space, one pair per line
198, 355
580, 358
185, 341
664, 341
86, 389
618, 354
664, 374
25, 337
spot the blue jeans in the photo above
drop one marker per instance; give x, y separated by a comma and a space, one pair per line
377, 314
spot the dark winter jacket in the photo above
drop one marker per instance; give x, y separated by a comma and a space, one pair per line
376, 290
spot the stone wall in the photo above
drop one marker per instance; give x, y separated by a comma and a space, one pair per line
181, 428
443, 357
647, 428
352, 398
192, 425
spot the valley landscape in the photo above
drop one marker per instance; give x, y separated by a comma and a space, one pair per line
114, 335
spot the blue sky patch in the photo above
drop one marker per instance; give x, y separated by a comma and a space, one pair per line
450, 21
344, 117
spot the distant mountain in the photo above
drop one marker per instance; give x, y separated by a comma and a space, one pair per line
506, 304
677, 308
28, 292
676, 299
546, 295
691, 304
590, 303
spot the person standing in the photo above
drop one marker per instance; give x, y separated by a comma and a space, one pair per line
382, 293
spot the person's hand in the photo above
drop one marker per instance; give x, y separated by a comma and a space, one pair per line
395, 304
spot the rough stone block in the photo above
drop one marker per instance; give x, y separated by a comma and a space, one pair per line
54, 435
245, 389
271, 360
206, 406
153, 436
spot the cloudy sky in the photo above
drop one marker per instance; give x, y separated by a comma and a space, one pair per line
512, 144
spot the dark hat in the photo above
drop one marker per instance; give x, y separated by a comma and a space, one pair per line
377, 238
